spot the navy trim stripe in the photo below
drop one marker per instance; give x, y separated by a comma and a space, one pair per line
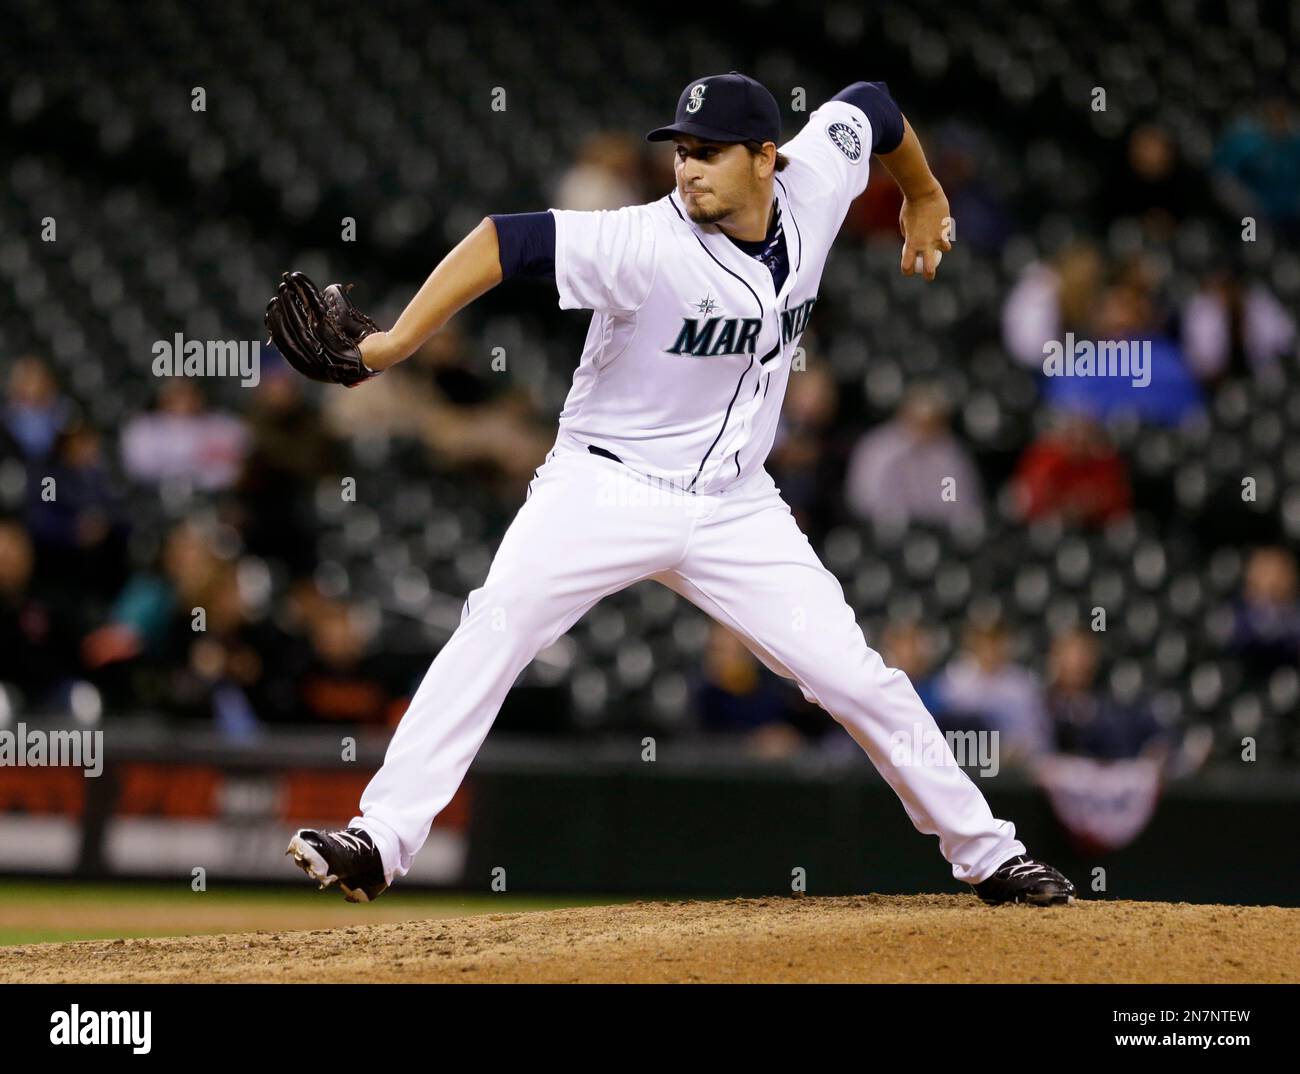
798, 234
773, 352
548, 458
725, 419
603, 452
765, 384
761, 311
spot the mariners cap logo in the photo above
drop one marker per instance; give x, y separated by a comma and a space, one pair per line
724, 108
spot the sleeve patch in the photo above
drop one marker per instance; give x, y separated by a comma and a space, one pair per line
846, 140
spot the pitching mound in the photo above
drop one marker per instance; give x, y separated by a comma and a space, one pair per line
872, 938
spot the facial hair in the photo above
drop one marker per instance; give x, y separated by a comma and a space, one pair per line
700, 216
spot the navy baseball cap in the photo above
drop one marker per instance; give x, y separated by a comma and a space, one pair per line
725, 108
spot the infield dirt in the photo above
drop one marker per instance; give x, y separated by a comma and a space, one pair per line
871, 938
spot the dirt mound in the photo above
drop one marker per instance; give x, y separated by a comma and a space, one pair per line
871, 938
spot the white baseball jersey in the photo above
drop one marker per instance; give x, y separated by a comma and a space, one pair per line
688, 354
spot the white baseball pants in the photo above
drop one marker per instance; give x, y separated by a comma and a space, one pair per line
591, 527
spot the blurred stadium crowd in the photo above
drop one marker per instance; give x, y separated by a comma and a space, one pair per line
1173, 507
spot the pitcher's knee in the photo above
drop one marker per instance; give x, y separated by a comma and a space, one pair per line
512, 610
861, 684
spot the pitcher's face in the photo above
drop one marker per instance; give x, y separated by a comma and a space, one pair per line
716, 179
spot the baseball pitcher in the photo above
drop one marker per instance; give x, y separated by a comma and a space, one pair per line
698, 304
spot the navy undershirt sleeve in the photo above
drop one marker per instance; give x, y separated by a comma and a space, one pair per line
886, 119
526, 244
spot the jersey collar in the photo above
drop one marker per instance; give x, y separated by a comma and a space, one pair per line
753, 271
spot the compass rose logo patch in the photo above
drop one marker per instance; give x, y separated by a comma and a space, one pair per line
846, 140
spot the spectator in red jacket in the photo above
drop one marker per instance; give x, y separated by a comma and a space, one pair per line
1072, 472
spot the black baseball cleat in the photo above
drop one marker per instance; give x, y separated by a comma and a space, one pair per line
1021, 879
348, 858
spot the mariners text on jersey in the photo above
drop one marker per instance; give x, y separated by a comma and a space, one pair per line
729, 335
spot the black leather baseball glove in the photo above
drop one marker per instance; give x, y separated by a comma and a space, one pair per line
318, 331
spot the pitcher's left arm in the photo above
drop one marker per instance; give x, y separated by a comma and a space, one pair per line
925, 220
